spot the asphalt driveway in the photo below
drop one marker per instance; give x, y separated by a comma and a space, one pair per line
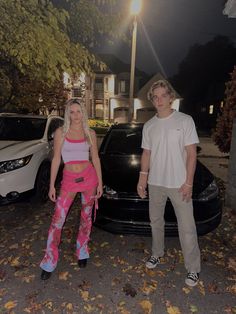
115, 279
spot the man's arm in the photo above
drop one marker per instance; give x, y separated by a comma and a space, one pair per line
143, 174
186, 188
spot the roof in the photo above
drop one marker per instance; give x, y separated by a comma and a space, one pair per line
144, 90
116, 66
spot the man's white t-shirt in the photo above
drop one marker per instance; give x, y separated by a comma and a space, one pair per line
166, 138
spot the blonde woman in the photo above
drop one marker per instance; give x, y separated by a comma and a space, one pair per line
74, 142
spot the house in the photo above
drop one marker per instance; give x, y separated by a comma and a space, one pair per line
106, 93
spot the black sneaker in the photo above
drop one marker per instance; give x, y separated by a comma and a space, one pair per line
82, 263
152, 262
192, 279
45, 275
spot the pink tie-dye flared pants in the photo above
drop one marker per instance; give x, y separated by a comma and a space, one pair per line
87, 187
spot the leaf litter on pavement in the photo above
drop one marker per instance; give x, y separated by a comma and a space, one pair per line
115, 280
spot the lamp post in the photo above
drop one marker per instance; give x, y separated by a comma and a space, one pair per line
135, 9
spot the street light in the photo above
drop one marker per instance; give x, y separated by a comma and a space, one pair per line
135, 8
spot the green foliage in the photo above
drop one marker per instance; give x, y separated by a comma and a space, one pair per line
92, 21
99, 123
223, 132
30, 96
41, 39
36, 36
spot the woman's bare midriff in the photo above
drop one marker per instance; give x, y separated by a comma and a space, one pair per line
77, 167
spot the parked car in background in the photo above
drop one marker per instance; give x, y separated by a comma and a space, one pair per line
121, 210
26, 143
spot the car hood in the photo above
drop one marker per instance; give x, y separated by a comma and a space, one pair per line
16, 149
121, 173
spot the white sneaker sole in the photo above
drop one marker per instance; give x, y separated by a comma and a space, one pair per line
191, 283
150, 266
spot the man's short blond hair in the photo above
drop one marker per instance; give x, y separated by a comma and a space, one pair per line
161, 83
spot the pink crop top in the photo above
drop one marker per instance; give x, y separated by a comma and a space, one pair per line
74, 150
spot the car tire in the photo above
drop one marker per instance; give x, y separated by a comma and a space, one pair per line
41, 186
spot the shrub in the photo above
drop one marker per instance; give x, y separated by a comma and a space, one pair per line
224, 125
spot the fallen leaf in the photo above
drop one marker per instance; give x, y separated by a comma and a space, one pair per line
97, 264
232, 263
15, 261
10, 305
173, 310
201, 288
149, 287
89, 308
104, 244
69, 306
84, 295
186, 290
63, 275
85, 285
49, 304
212, 287
2, 275
146, 306
193, 308
115, 281
3, 291
28, 279
231, 289
14, 246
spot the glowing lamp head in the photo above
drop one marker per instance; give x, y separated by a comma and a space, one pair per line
135, 7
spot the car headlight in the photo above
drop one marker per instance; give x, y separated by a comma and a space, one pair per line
209, 193
10, 165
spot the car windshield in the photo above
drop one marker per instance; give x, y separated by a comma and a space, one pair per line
124, 142
21, 129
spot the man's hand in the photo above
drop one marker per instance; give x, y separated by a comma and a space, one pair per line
186, 191
141, 191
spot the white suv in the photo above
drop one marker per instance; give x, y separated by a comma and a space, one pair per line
26, 143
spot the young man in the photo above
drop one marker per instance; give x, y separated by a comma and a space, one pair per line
168, 164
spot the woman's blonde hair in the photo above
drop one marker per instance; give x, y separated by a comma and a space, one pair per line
67, 121
161, 83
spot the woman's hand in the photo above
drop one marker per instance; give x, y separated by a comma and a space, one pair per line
99, 191
52, 194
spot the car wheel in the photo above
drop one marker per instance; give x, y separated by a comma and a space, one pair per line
41, 186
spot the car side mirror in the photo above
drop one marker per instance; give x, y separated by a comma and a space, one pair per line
51, 136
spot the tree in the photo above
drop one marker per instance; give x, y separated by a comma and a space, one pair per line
40, 40
204, 71
223, 132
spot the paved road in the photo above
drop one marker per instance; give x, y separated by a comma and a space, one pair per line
115, 280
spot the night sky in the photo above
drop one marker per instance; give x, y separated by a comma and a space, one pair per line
173, 26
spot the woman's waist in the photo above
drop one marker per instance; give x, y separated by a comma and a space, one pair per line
77, 166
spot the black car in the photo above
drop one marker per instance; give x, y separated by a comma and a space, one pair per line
121, 210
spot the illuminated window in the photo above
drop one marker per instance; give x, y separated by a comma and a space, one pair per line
122, 86
98, 84
221, 104
76, 92
106, 84
211, 109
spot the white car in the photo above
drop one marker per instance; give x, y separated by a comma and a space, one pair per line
26, 144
